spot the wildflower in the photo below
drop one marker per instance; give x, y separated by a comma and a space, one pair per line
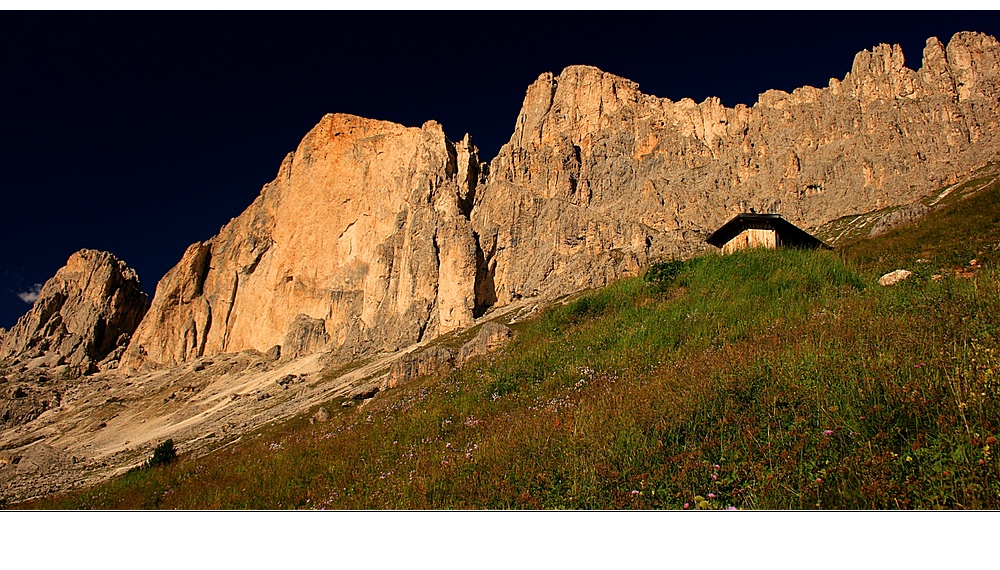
634, 492
686, 505
714, 477
828, 432
731, 508
711, 495
703, 505
717, 466
819, 479
908, 458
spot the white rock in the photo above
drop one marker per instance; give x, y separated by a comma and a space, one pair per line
894, 277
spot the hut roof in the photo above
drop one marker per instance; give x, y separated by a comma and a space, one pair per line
788, 232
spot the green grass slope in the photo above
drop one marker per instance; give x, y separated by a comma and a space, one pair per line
762, 380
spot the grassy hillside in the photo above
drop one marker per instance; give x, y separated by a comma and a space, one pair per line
762, 380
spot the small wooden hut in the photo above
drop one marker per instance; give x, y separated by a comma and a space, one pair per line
761, 230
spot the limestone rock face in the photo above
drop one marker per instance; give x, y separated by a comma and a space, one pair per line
898, 217
432, 360
361, 243
491, 336
599, 177
25, 399
375, 236
305, 335
89, 308
441, 359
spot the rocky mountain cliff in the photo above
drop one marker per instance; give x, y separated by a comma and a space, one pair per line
362, 242
84, 314
375, 236
81, 323
599, 177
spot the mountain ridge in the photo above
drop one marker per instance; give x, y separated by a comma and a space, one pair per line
659, 176
617, 177
596, 180
375, 237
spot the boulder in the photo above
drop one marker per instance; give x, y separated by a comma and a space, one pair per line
894, 277
273, 353
287, 379
321, 415
366, 392
305, 335
490, 337
431, 360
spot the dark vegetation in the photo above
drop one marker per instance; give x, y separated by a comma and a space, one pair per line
163, 454
762, 380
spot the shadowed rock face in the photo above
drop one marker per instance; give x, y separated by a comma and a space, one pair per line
91, 306
598, 177
375, 236
364, 231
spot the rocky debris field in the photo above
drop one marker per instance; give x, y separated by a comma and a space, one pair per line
62, 432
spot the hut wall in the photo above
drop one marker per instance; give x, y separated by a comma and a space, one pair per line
752, 238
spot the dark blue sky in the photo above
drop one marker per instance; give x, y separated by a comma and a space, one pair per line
140, 133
